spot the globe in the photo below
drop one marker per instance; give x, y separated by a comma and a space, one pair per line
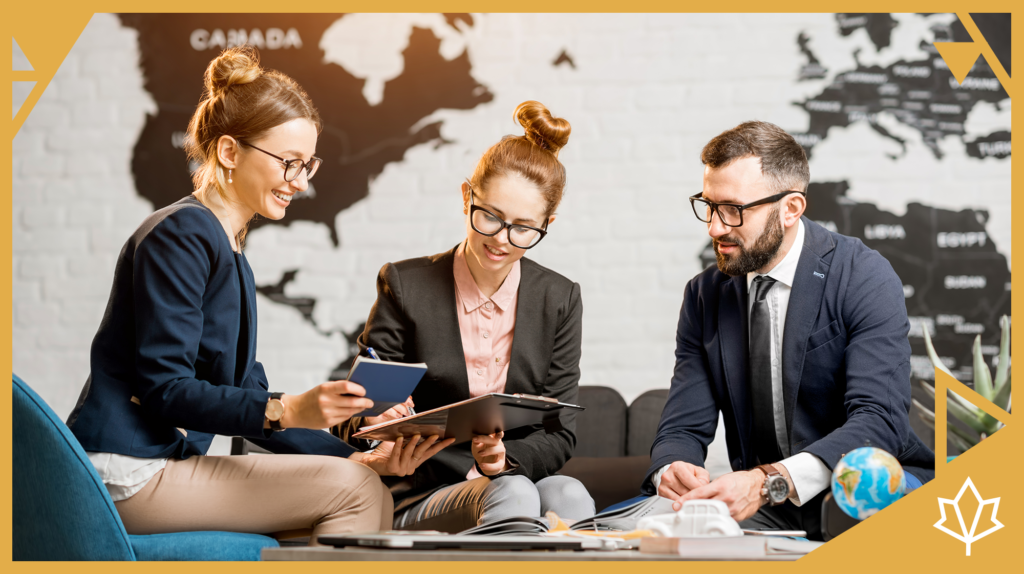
867, 480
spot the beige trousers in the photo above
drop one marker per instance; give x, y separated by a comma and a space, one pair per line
260, 494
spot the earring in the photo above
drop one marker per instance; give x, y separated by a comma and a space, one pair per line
229, 177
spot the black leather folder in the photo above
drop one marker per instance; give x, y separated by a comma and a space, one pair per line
481, 415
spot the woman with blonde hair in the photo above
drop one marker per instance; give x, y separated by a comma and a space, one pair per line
485, 319
174, 360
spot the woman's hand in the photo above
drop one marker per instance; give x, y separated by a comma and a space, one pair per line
401, 458
394, 413
489, 453
324, 405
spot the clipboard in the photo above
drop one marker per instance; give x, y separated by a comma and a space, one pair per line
481, 415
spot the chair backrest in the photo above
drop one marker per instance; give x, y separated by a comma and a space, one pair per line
601, 429
644, 416
61, 508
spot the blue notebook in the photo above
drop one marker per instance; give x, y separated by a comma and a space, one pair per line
387, 383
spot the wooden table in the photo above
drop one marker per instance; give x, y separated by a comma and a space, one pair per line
393, 555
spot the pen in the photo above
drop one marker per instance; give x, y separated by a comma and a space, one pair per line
373, 355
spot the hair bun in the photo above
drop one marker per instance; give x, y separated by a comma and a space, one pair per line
543, 129
239, 65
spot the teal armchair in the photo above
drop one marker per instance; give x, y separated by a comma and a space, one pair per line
62, 510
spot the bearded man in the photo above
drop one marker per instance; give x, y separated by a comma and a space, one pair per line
798, 337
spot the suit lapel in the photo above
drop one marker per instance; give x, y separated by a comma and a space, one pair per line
804, 304
527, 324
733, 342
445, 323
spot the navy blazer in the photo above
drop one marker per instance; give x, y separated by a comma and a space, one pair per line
174, 360
845, 363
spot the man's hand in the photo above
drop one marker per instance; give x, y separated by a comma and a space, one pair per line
681, 478
401, 458
489, 453
740, 491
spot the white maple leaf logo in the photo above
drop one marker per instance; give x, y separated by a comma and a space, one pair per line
968, 536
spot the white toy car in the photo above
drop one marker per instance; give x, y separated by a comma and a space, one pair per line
697, 519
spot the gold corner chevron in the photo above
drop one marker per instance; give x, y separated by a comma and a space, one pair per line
982, 47
45, 43
959, 56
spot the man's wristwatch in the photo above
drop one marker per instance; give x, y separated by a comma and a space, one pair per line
775, 489
275, 410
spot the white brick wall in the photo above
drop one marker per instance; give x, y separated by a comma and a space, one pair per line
647, 92
74, 207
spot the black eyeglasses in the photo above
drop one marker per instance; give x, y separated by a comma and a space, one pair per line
730, 214
487, 224
292, 167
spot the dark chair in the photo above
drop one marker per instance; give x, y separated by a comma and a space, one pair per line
62, 510
833, 520
644, 416
613, 442
601, 429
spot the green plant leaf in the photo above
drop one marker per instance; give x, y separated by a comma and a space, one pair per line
931, 351
1003, 367
928, 389
991, 423
963, 402
960, 442
1002, 398
966, 436
982, 376
970, 418
926, 414
941, 366
961, 438
929, 422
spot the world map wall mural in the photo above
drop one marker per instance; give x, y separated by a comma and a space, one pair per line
902, 156
955, 282
358, 139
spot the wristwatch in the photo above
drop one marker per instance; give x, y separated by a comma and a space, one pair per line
275, 410
775, 489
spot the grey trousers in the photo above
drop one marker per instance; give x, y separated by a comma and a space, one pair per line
481, 500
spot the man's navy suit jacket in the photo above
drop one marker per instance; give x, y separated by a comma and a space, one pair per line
174, 360
845, 363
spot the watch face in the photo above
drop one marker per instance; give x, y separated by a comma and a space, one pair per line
275, 410
778, 490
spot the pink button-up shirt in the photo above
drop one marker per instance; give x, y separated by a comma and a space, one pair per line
487, 326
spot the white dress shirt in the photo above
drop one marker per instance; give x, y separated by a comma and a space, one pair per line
810, 476
125, 475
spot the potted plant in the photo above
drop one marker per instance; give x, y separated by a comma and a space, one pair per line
977, 423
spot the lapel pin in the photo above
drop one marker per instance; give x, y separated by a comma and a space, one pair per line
821, 275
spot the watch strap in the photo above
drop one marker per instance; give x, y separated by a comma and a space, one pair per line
276, 425
770, 472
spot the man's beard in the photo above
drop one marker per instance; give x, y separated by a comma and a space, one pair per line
760, 254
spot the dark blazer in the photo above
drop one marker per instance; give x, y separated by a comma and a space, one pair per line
845, 362
414, 320
174, 360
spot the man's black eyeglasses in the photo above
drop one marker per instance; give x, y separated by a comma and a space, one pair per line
730, 214
487, 224
292, 167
